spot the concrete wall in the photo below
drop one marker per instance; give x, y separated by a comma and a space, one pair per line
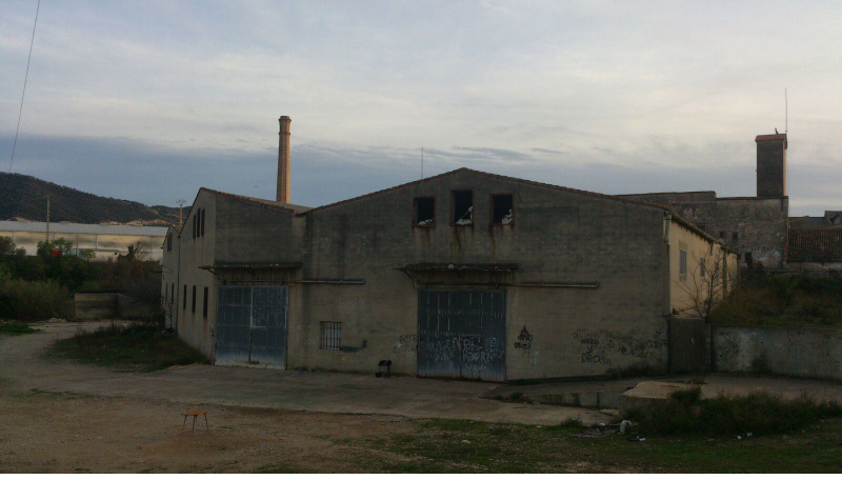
556, 236
790, 351
95, 306
745, 224
99, 306
196, 329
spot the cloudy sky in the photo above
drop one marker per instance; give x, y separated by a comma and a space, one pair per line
149, 100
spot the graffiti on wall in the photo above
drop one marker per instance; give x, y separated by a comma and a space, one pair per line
599, 346
524, 340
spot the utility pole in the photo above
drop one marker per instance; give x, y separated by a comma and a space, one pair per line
180, 207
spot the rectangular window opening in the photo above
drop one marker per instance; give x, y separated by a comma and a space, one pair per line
194, 227
502, 212
331, 335
463, 207
205, 303
203, 223
169, 242
172, 292
193, 308
682, 262
425, 212
722, 234
702, 267
735, 236
185, 298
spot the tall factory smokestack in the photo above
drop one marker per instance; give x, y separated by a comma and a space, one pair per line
283, 160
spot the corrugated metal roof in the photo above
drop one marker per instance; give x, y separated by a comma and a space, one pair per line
84, 228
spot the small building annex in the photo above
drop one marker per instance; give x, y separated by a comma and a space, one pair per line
463, 275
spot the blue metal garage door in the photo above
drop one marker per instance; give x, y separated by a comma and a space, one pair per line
462, 334
251, 326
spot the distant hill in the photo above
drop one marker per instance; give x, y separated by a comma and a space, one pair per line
24, 197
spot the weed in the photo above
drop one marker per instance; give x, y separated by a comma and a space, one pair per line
137, 346
686, 412
15, 328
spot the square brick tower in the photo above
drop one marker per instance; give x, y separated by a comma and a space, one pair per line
771, 165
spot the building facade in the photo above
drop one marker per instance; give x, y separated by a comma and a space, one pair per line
464, 275
754, 227
105, 241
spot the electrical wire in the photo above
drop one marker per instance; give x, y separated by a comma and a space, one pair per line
25, 79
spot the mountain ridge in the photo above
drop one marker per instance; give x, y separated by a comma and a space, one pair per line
24, 197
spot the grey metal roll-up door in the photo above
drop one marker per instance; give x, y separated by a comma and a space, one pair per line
251, 325
462, 334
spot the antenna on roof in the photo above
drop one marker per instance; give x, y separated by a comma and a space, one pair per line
786, 113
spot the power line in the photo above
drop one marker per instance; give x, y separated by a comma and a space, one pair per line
25, 78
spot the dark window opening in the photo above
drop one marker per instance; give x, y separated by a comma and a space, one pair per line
194, 227
203, 223
193, 308
331, 335
735, 236
169, 242
425, 212
722, 234
172, 292
463, 207
185, 298
748, 259
501, 209
205, 303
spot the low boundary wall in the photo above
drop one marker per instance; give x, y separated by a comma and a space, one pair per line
789, 351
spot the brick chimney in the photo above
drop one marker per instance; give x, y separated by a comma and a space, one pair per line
283, 160
771, 165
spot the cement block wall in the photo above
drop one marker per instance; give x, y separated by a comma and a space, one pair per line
196, 329
556, 237
745, 224
790, 351
95, 306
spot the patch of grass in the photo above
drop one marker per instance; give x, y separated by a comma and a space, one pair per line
759, 413
15, 328
461, 446
134, 347
787, 300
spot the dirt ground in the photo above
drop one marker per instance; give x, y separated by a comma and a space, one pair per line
45, 432
62, 416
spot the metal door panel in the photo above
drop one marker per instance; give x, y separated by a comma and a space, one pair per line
461, 334
269, 326
251, 325
232, 325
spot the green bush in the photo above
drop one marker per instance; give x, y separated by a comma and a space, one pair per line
783, 300
29, 301
135, 346
685, 412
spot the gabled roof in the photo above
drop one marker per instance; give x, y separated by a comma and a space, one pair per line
295, 209
499, 177
666, 208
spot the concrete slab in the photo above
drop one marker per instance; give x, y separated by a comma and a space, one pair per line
22, 362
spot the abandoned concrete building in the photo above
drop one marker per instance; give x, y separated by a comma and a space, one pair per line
462, 275
755, 227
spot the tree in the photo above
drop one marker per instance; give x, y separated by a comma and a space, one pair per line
7, 246
709, 282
